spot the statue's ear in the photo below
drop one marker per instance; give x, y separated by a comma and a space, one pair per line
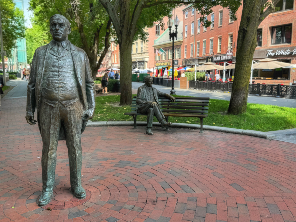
69, 31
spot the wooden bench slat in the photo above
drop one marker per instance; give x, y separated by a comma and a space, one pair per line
184, 104
185, 115
185, 107
183, 111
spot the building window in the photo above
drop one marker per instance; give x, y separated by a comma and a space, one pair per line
191, 50
170, 53
230, 41
115, 58
219, 44
204, 47
220, 18
259, 37
192, 11
198, 26
136, 47
185, 51
157, 29
185, 31
197, 49
284, 5
231, 16
205, 28
211, 46
133, 48
163, 56
281, 34
212, 20
192, 28
186, 14
142, 46
179, 53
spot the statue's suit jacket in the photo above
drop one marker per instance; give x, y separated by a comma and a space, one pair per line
82, 73
143, 98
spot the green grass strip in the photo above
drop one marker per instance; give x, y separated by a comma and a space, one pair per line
258, 117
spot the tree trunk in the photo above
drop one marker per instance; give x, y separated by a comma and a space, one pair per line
246, 44
125, 73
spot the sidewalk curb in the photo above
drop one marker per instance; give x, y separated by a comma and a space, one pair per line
184, 125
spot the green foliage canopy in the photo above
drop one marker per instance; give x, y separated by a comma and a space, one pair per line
13, 26
35, 37
90, 24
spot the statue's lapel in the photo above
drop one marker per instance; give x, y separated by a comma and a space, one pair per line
76, 61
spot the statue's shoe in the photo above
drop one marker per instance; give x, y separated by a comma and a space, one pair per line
166, 124
44, 198
78, 192
149, 131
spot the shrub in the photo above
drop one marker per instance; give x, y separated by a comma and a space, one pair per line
12, 76
99, 79
14, 73
97, 82
200, 76
113, 85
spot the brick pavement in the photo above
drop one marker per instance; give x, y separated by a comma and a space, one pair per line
179, 175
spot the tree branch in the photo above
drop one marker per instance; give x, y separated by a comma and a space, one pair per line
107, 43
113, 13
136, 15
270, 9
153, 3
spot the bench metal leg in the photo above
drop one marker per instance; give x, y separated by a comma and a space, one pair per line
201, 125
135, 121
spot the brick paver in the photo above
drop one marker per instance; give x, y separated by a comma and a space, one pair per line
179, 175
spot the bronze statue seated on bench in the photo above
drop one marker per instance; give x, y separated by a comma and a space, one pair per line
148, 103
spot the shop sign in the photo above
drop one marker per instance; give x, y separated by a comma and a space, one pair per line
175, 62
279, 52
222, 58
229, 52
163, 64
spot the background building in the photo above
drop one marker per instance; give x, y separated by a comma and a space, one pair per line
18, 59
275, 40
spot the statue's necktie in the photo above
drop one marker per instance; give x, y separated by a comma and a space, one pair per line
59, 48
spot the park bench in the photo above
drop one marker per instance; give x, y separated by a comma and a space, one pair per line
98, 88
182, 107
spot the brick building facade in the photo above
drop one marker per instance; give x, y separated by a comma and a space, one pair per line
218, 42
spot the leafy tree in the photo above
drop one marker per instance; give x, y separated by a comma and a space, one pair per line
12, 25
254, 12
90, 24
129, 17
35, 37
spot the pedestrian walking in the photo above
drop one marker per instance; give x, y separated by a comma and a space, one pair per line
111, 74
105, 83
117, 76
27, 74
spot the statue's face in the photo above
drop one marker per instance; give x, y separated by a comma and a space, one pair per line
59, 29
149, 82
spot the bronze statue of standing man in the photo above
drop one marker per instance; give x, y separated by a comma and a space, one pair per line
61, 89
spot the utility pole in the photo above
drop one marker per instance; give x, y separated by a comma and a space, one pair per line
2, 50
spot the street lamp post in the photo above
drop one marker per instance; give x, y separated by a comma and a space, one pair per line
173, 35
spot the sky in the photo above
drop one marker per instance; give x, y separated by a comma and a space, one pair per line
27, 14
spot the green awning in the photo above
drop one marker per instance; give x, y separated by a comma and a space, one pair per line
159, 67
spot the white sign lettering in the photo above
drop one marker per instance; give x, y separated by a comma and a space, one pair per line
280, 52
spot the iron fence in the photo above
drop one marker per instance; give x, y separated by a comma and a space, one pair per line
278, 90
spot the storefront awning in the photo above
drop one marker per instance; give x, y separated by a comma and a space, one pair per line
159, 67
